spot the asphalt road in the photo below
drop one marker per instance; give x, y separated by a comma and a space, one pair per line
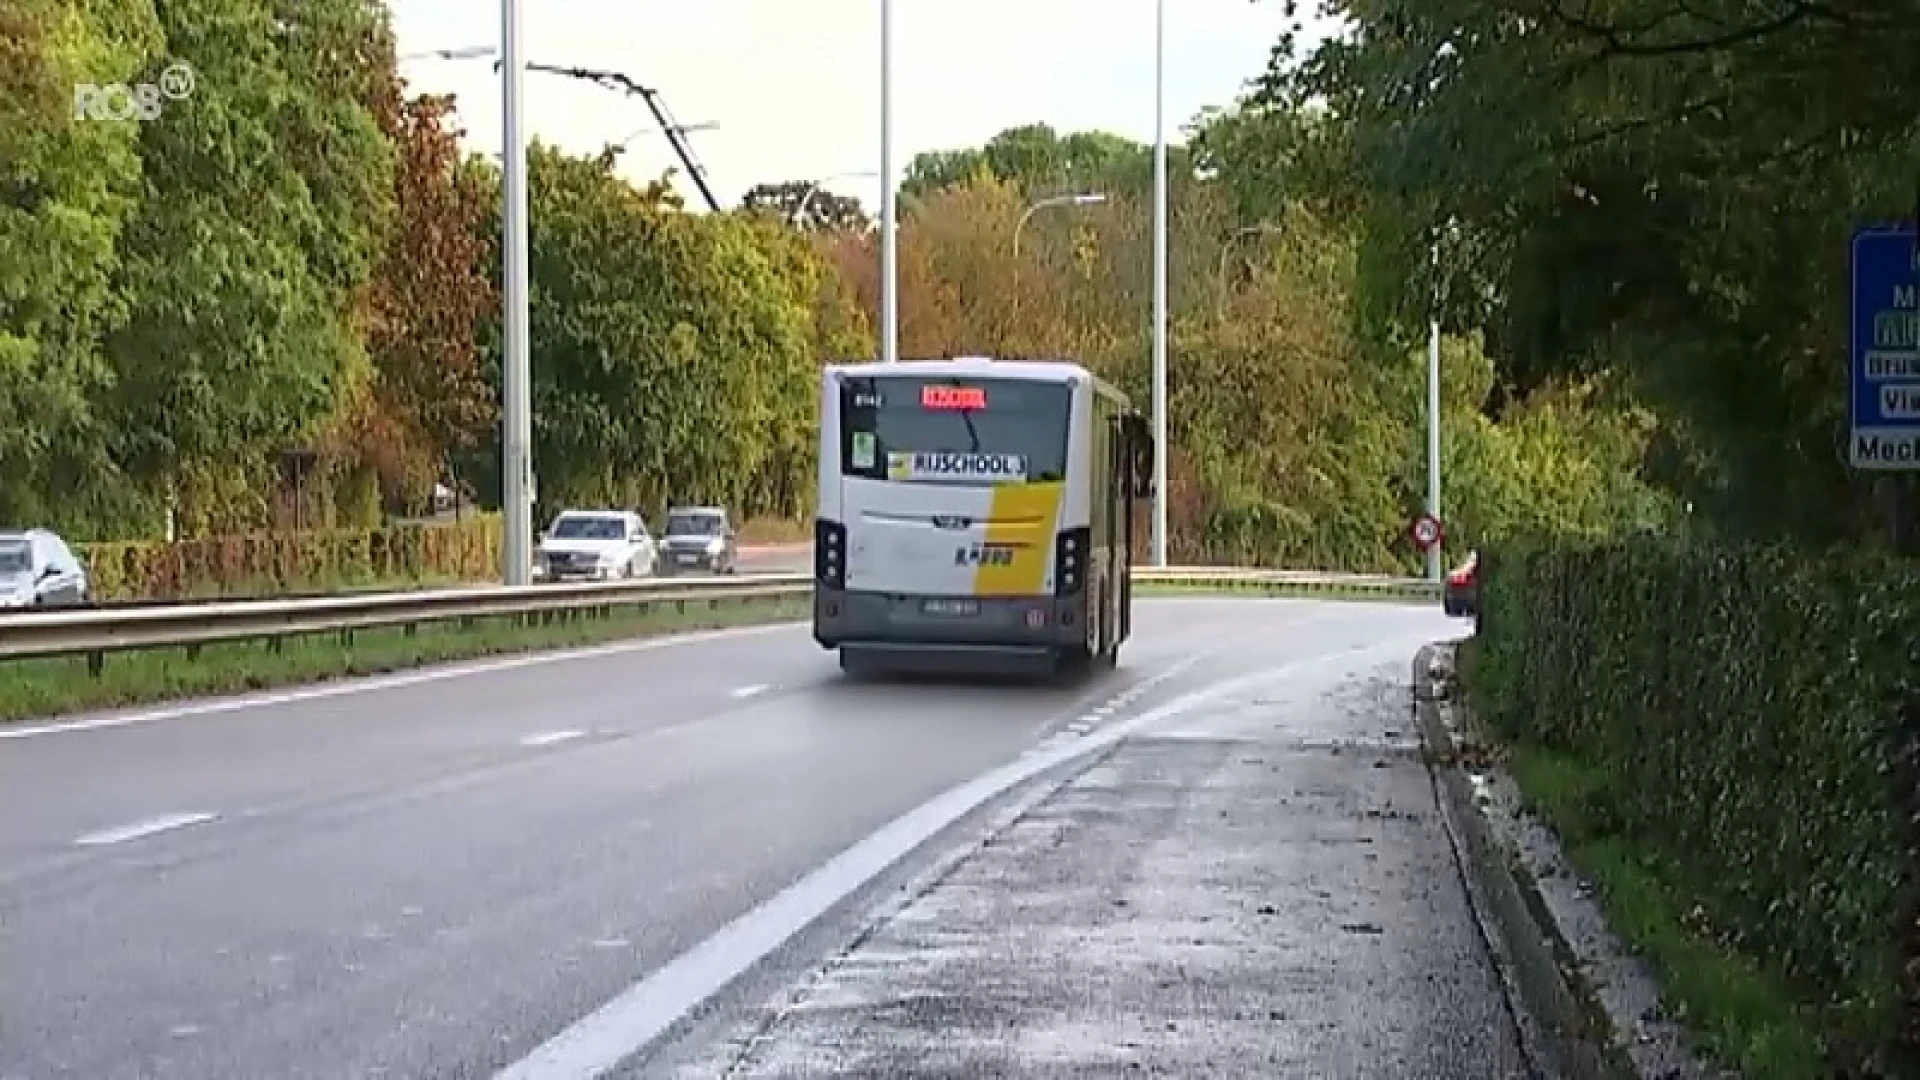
446, 874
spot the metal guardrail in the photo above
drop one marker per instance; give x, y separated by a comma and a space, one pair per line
95, 632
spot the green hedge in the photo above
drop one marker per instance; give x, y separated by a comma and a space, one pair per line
271, 563
1754, 717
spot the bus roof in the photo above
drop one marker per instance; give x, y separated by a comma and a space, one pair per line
982, 367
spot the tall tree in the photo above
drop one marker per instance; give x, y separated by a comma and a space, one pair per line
679, 352
430, 402
248, 266
808, 206
1666, 191
1037, 160
67, 189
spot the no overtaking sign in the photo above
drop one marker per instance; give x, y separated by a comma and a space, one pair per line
1427, 532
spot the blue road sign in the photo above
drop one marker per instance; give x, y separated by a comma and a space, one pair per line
1885, 364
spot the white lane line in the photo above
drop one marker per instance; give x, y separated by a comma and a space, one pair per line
601, 1040
387, 682
548, 738
749, 691
139, 829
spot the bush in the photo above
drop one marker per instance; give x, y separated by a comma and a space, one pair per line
1754, 718
258, 564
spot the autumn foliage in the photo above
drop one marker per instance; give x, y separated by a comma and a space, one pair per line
284, 312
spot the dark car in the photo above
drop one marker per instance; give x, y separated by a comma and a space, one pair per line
698, 538
1463, 587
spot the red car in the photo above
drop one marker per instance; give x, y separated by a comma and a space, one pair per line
1463, 585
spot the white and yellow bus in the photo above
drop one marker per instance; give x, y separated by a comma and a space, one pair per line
977, 506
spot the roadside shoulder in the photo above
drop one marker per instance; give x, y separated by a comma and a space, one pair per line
1261, 890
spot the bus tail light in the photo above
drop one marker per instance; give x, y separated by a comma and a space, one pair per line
1070, 551
830, 554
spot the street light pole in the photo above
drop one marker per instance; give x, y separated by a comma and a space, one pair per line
516, 443
806, 200
464, 52
1160, 284
889, 212
1433, 406
1090, 198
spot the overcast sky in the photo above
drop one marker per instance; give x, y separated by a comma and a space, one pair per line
793, 85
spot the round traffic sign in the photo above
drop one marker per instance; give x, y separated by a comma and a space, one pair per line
1428, 532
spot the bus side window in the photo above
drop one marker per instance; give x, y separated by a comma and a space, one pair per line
1140, 455
860, 450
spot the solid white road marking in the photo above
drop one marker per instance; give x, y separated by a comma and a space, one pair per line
388, 682
548, 738
139, 829
601, 1040
749, 691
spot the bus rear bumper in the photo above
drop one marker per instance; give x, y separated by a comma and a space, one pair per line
908, 622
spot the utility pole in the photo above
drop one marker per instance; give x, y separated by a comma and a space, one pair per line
516, 443
889, 210
1160, 284
675, 131
1433, 407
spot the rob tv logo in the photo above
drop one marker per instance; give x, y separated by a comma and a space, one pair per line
139, 101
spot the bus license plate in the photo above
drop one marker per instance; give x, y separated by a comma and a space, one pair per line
946, 606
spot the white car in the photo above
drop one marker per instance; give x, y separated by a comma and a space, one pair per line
37, 569
596, 545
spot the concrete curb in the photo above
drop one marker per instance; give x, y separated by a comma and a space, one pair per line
1335, 589
1585, 1006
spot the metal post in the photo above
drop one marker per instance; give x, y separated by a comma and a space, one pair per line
516, 447
889, 212
1433, 414
1160, 284
1091, 198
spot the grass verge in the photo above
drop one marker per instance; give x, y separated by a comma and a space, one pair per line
1737, 1013
761, 532
334, 585
51, 687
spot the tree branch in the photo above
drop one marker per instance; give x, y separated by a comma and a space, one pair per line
1618, 40
1599, 136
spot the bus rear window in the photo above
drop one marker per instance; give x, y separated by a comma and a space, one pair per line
969, 431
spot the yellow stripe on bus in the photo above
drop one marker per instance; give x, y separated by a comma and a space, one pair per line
1024, 518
